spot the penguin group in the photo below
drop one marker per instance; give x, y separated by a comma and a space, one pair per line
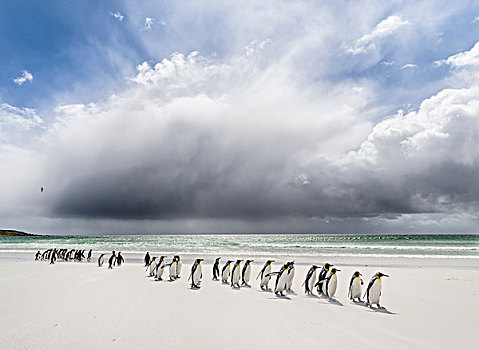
77, 255
237, 274
155, 266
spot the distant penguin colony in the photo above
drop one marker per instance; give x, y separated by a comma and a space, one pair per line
54, 255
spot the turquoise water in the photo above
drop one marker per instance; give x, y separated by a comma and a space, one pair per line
422, 246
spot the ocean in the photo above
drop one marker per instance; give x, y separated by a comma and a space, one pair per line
271, 245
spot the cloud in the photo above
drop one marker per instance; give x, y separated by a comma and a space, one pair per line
382, 30
475, 19
461, 59
117, 15
26, 76
148, 23
409, 65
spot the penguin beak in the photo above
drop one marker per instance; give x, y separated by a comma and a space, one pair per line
386, 275
337, 270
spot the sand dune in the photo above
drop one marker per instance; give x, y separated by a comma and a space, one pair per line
81, 306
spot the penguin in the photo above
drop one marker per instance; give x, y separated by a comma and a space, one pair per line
111, 261
225, 273
37, 255
89, 255
152, 266
196, 274
310, 279
216, 269
179, 265
291, 272
264, 273
281, 279
172, 270
101, 259
53, 257
235, 275
331, 283
246, 273
373, 293
321, 277
147, 259
355, 286
160, 267
119, 259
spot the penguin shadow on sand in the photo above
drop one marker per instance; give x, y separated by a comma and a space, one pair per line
381, 310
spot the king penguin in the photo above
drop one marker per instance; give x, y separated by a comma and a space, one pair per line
216, 269
225, 273
310, 279
373, 293
291, 272
246, 273
179, 265
152, 266
331, 283
101, 259
265, 274
235, 275
355, 286
196, 274
172, 269
281, 279
160, 267
322, 276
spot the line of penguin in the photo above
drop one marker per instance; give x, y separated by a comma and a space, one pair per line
78, 255
232, 273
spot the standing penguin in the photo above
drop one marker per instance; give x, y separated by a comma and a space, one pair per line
37, 255
89, 255
246, 273
225, 273
111, 260
119, 259
355, 286
322, 277
310, 279
373, 293
179, 265
172, 270
216, 269
281, 279
235, 275
53, 256
101, 259
291, 272
160, 267
152, 266
196, 274
147, 259
265, 274
331, 283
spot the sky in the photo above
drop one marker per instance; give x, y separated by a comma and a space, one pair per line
218, 116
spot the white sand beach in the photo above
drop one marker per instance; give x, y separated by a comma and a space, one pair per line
81, 306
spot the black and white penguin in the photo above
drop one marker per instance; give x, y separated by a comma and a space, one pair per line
225, 272
172, 269
37, 255
322, 276
373, 293
179, 265
89, 255
246, 273
160, 268
147, 259
111, 260
355, 286
265, 274
119, 259
196, 274
236, 274
216, 269
101, 259
291, 272
152, 266
310, 279
281, 279
331, 283
53, 256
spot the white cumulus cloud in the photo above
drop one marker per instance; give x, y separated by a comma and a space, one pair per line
26, 76
117, 15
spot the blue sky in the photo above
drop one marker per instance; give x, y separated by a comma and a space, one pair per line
310, 89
